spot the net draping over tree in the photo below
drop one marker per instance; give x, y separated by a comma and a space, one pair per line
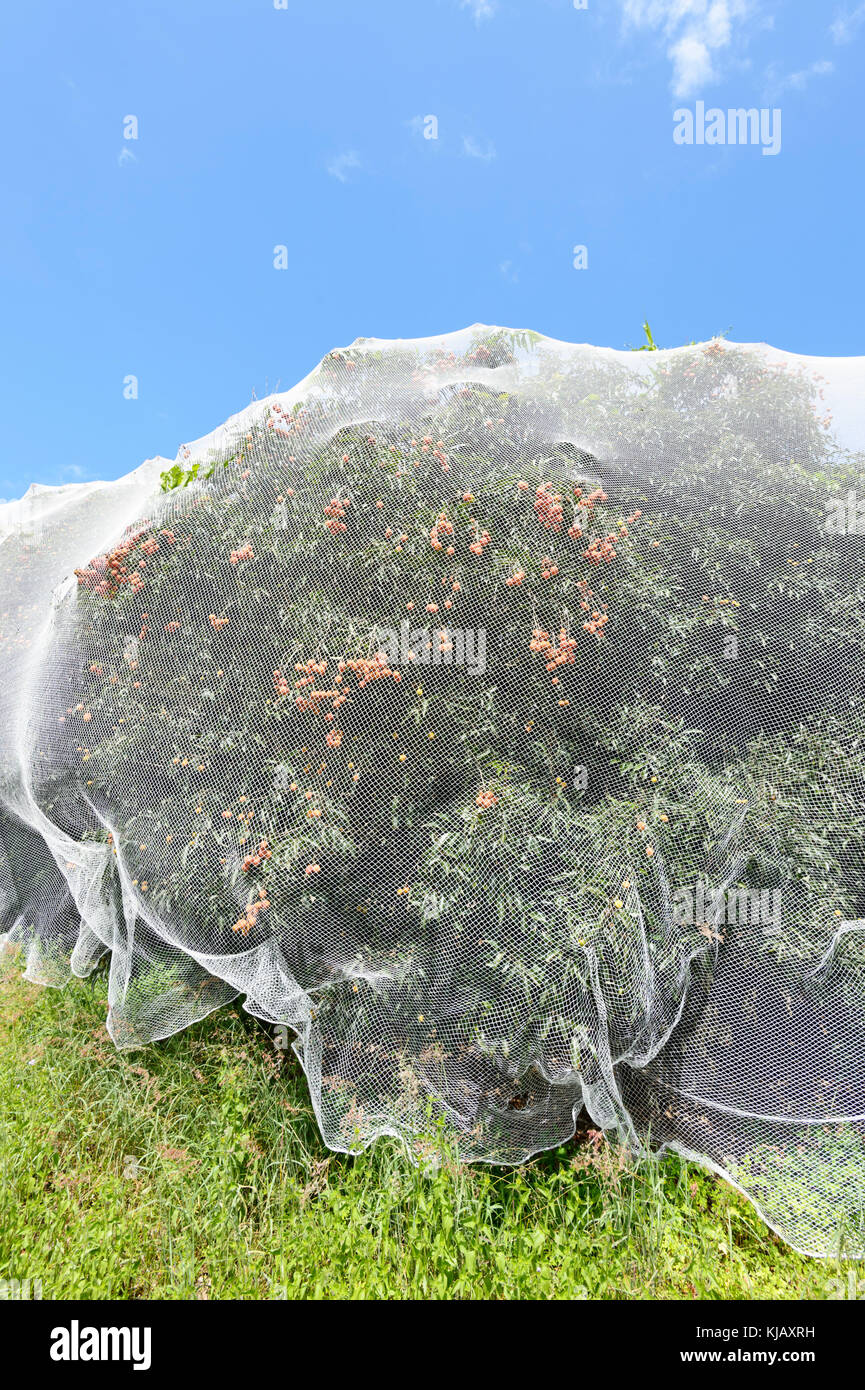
491, 712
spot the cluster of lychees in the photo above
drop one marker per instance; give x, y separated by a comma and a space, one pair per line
252, 861
563, 654
437, 450
248, 919
335, 511
548, 507
442, 527
481, 539
106, 573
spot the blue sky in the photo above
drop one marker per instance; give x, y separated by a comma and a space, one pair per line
303, 127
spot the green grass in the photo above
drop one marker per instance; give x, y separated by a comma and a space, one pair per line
193, 1169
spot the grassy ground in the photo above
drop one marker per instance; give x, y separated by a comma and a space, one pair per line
193, 1169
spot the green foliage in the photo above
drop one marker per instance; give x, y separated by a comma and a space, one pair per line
649, 345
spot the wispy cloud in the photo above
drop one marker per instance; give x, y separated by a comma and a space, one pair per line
777, 83
696, 32
507, 271
341, 165
475, 150
847, 23
126, 156
481, 9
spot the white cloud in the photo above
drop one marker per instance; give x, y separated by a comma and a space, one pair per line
699, 34
692, 65
776, 83
481, 9
126, 156
474, 150
847, 24
506, 269
340, 166
696, 32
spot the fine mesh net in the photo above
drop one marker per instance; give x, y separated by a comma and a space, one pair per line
488, 711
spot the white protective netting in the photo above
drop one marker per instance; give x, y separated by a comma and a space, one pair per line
488, 710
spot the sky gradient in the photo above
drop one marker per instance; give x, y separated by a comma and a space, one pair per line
304, 127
